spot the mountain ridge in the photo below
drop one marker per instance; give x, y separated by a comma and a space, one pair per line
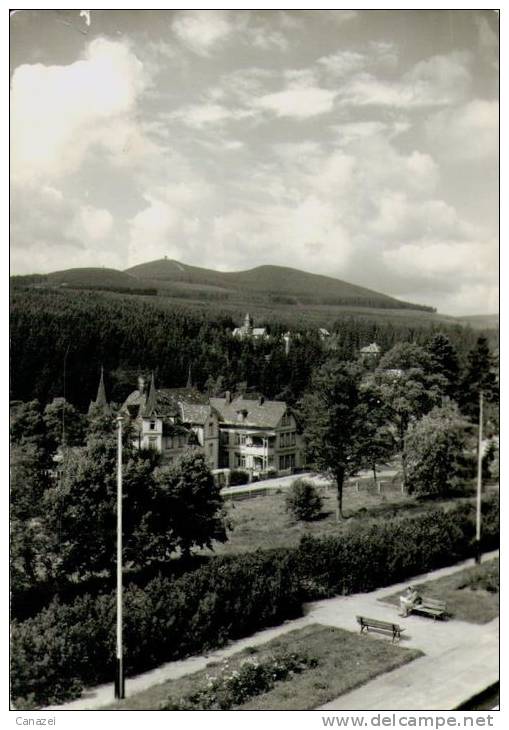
266, 278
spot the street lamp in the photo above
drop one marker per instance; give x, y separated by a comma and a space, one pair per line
479, 485
119, 663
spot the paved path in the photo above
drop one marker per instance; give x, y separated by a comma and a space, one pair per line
460, 659
268, 485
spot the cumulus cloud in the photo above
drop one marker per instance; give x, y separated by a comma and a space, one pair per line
467, 132
59, 112
168, 221
202, 30
50, 227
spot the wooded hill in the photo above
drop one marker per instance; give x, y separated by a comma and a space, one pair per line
274, 284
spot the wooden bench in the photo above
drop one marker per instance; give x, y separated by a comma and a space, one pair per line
431, 607
382, 626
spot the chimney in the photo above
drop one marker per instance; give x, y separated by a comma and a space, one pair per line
228, 396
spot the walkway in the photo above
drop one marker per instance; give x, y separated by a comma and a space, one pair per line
460, 659
270, 485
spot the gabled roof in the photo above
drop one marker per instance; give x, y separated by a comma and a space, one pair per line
194, 413
263, 415
169, 402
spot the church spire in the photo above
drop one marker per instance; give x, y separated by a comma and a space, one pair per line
150, 405
189, 383
101, 392
101, 400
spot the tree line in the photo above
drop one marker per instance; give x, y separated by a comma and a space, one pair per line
126, 334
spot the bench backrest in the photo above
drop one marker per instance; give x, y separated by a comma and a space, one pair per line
377, 624
433, 603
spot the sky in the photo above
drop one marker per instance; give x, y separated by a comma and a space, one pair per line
358, 144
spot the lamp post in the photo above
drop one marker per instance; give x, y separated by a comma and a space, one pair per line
119, 663
479, 485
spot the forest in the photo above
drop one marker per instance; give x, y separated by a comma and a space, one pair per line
128, 334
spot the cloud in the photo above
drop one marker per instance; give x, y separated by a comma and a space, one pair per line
198, 116
468, 132
168, 221
300, 103
266, 39
310, 228
399, 218
59, 112
353, 131
202, 30
50, 231
444, 261
343, 63
437, 81
92, 224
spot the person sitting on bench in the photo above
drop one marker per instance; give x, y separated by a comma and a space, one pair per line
408, 600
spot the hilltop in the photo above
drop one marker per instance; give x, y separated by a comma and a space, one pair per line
281, 283
262, 285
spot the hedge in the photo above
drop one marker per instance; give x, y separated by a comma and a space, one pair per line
68, 646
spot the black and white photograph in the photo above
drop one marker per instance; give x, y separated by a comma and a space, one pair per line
254, 408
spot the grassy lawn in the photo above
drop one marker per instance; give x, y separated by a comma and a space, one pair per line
345, 660
263, 521
471, 594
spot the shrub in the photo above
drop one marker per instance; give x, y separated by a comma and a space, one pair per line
238, 477
303, 500
253, 678
67, 646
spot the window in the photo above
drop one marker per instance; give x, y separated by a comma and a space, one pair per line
286, 420
240, 460
287, 461
153, 425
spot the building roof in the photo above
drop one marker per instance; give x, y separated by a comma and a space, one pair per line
253, 413
151, 402
169, 402
194, 413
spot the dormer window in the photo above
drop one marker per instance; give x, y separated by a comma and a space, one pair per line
153, 425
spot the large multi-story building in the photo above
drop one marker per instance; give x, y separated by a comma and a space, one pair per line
171, 420
258, 435
253, 434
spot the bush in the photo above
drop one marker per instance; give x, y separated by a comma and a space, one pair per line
238, 477
303, 500
253, 678
66, 646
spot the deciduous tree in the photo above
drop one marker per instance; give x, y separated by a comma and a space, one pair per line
334, 421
